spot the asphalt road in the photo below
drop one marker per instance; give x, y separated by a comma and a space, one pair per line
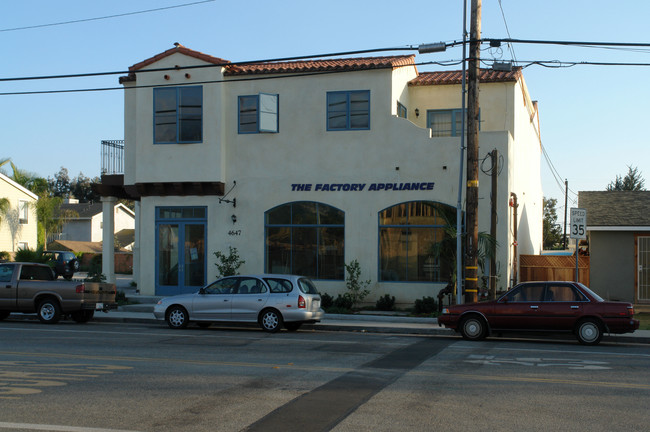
109, 377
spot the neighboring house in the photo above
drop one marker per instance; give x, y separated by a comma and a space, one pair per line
306, 165
87, 225
618, 230
19, 226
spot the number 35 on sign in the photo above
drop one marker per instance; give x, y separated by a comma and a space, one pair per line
578, 223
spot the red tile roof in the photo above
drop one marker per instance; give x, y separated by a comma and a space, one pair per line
456, 77
340, 64
178, 48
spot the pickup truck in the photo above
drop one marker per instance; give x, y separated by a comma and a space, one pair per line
32, 288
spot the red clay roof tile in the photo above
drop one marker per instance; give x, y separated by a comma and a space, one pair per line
178, 48
340, 64
455, 77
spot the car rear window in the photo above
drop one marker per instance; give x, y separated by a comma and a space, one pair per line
307, 286
279, 285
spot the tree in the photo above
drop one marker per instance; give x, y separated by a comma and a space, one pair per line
633, 181
445, 250
552, 232
80, 188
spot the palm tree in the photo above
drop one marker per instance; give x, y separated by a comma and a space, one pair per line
445, 249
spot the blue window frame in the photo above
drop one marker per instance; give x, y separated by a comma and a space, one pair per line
446, 122
305, 238
258, 113
348, 110
413, 241
178, 115
401, 110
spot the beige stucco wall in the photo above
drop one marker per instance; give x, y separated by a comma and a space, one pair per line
12, 232
265, 166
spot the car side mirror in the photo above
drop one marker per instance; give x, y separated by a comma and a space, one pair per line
202, 291
503, 300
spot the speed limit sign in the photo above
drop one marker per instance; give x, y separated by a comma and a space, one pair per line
578, 223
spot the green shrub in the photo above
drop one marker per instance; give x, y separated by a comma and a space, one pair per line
386, 303
344, 302
426, 305
228, 264
4, 256
29, 255
326, 301
95, 270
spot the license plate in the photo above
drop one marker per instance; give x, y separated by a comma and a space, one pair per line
99, 306
316, 304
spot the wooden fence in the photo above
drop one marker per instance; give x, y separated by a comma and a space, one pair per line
553, 268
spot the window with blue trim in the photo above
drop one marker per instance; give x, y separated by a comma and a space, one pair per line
348, 110
178, 115
445, 122
258, 113
305, 238
401, 110
413, 242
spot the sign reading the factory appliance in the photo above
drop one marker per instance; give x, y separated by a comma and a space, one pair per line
360, 187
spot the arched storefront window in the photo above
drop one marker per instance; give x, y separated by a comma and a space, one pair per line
305, 238
408, 234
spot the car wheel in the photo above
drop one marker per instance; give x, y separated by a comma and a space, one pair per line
177, 317
271, 320
83, 316
204, 324
473, 328
292, 326
3, 315
589, 332
49, 311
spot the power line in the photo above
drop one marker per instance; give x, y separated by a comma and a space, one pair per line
510, 47
211, 65
104, 17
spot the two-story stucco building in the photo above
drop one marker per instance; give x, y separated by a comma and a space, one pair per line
306, 165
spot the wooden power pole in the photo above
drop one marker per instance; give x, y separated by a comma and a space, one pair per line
471, 266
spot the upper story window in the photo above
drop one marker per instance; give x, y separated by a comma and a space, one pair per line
348, 110
445, 122
401, 110
178, 115
258, 113
23, 212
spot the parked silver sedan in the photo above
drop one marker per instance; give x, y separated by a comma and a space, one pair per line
269, 299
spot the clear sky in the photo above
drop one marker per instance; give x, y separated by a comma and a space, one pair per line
593, 121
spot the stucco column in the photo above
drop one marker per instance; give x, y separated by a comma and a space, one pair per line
108, 238
136, 247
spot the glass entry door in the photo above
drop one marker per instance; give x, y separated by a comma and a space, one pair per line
180, 250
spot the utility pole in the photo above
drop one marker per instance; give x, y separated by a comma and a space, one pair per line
566, 197
493, 224
471, 266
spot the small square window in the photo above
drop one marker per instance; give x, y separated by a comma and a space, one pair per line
258, 113
348, 110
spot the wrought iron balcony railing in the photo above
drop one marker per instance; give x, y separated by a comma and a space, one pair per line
112, 157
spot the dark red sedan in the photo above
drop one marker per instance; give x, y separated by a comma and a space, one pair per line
545, 307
